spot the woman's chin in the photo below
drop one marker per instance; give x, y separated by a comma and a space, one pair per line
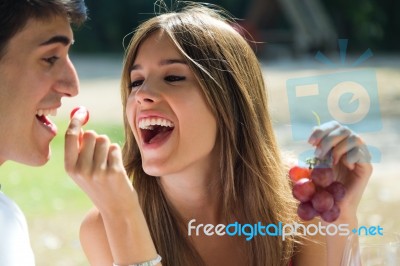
154, 169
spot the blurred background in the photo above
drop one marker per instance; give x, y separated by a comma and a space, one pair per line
287, 35
368, 23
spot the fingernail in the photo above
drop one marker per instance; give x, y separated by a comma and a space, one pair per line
318, 153
81, 113
312, 140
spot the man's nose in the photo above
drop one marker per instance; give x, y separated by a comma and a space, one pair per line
68, 83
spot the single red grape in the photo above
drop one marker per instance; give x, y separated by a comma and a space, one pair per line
306, 211
322, 175
322, 201
337, 189
297, 172
82, 110
332, 214
303, 190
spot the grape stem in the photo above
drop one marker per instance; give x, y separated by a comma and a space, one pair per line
312, 162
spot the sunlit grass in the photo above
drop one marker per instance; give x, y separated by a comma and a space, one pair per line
53, 204
48, 189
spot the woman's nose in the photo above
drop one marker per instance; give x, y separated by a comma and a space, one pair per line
146, 94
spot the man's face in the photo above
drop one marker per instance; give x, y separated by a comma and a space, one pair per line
35, 73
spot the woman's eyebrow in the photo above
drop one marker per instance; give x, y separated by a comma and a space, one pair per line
162, 63
172, 61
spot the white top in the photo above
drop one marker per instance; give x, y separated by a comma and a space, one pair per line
15, 247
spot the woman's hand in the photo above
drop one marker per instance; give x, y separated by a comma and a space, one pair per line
96, 166
350, 162
121, 234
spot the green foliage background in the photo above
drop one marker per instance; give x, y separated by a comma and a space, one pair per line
48, 189
367, 23
53, 204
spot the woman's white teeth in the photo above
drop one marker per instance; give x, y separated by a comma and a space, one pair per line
46, 112
149, 123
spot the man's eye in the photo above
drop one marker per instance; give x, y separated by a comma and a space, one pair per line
174, 78
51, 60
136, 83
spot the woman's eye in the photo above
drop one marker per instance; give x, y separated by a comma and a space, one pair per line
174, 78
51, 60
136, 83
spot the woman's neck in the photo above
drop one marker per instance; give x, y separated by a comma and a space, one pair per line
195, 193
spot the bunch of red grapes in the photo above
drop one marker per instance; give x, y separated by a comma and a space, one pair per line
317, 191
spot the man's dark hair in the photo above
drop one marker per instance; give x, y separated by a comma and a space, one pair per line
14, 15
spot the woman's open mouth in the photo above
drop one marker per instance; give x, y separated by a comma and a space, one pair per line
155, 129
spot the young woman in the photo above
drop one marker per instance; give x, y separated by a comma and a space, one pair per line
199, 145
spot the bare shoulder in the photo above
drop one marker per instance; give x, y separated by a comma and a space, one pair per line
94, 240
92, 222
311, 250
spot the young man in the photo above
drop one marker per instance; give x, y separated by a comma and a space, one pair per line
35, 73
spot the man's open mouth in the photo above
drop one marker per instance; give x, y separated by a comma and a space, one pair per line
155, 129
42, 114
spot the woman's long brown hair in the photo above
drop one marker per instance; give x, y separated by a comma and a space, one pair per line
253, 179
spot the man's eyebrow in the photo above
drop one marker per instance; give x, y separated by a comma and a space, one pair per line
162, 63
57, 39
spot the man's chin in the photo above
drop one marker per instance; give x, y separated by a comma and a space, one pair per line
39, 159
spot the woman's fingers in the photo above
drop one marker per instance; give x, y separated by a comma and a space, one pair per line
339, 142
98, 158
84, 164
321, 131
115, 157
101, 154
332, 139
355, 155
72, 142
96, 165
354, 144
